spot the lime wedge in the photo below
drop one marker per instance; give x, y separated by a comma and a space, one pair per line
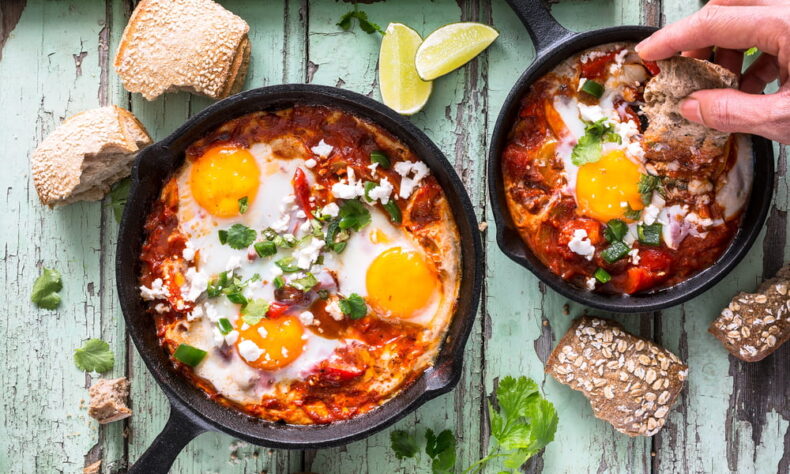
452, 46
401, 87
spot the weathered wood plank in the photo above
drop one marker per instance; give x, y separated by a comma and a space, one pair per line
50, 71
523, 318
455, 119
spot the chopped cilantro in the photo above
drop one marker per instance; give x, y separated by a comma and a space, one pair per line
441, 450
239, 236
589, 147
353, 215
615, 230
647, 184
380, 158
364, 24
323, 294
94, 356
354, 306
254, 311
394, 211
279, 282
631, 213
287, 264
369, 186
404, 444
45, 289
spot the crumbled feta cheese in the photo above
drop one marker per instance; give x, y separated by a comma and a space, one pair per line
310, 163
263, 332
373, 167
197, 313
306, 317
301, 214
306, 227
289, 199
189, 252
635, 150
650, 213
322, 149
382, 191
626, 130
349, 189
281, 224
591, 113
211, 312
590, 55
196, 284
590, 283
412, 173
161, 308
330, 210
157, 290
232, 337
249, 350
697, 186
581, 245
333, 308
234, 262
581, 83
307, 255
634, 253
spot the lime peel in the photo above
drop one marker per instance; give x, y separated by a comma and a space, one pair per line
400, 85
452, 46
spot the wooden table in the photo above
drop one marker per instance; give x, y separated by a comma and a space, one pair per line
56, 60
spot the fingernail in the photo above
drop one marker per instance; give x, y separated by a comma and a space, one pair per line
690, 109
639, 46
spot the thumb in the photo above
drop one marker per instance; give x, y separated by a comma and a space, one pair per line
730, 110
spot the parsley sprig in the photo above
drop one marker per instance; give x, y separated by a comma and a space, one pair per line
522, 425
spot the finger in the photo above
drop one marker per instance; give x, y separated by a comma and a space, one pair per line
764, 70
730, 110
748, 3
702, 53
723, 26
731, 59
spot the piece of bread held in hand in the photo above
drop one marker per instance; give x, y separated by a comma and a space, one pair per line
669, 137
631, 382
183, 45
82, 158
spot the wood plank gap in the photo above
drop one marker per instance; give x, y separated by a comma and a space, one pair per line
651, 12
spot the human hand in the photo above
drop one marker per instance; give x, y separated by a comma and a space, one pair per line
733, 26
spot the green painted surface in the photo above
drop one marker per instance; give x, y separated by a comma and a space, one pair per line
733, 417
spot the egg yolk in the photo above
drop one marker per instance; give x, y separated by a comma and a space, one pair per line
222, 176
280, 340
605, 187
400, 283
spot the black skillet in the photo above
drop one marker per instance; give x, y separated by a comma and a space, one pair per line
553, 44
191, 411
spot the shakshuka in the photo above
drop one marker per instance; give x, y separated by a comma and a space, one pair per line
302, 265
589, 204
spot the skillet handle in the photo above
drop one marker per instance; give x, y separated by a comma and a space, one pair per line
541, 25
177, 433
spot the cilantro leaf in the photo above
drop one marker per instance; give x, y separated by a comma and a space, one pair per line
94, 356
441, 449
364, 24
647, 184
353, 215
404, 444
239, 236
589, 147
513, 395
305, 283
615, 230
254, 311
118, 197
45, 289
243, 205
354, 306
631, 213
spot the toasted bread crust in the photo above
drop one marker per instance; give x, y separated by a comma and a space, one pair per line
86, 154
190, 45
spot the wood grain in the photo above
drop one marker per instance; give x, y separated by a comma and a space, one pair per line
56, 59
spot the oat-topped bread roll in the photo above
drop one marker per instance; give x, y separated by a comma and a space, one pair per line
191, 45
756, 324
631, 382
86, 154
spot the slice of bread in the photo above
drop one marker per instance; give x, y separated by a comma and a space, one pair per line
86, 154
183, 45
669, 136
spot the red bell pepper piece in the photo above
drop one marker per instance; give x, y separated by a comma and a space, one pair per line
652, 66
277, 309
302, 191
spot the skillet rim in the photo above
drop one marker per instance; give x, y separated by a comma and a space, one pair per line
513, 247
189, 401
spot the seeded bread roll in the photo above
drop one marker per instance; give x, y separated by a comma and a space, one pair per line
630, 382
183, 45
86, 154
108, 400
670, 137
756, 324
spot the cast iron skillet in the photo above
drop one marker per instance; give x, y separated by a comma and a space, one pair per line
553, 44
191, 411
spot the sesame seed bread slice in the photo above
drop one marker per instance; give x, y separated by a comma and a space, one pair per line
183, 45
86, 154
